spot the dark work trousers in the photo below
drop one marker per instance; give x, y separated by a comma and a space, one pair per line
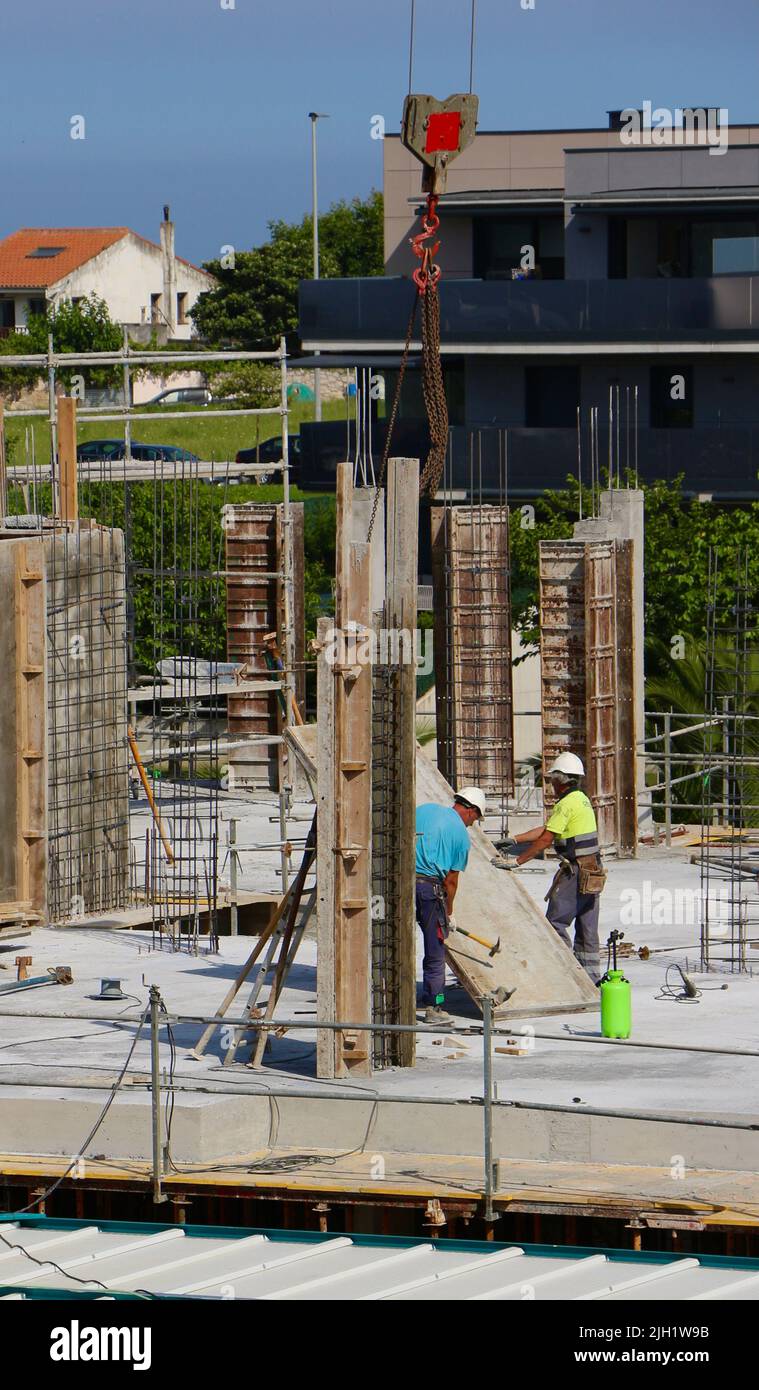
432, 918
566, 904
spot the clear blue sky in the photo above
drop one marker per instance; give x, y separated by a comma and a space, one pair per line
206, 108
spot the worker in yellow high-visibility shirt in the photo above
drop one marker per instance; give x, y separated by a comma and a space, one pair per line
572, 831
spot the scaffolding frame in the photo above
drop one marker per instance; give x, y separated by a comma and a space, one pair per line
184, 885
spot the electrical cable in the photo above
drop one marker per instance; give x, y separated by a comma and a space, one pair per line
114, 1091
48, 1192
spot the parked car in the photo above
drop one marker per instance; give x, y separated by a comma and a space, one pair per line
106, 450
182, 395
270, 451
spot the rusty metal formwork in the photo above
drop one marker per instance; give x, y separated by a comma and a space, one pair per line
256, 604
472, 604
587, 706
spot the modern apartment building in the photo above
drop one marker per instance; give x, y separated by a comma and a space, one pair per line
582, 270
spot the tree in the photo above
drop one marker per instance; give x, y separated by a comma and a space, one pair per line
256, 302
82, 327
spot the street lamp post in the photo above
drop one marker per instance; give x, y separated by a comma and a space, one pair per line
314, 116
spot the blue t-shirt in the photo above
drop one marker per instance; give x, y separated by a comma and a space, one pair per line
442, 842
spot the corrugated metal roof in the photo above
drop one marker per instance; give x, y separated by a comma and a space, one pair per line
219, 1263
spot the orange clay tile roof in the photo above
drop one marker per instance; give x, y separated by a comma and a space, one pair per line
21, 270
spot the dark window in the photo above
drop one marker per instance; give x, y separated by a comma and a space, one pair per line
497, 246
671, 397
44, 253
7, 313
552, 395
37, 306
617, 244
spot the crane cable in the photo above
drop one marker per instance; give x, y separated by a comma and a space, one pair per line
426, 277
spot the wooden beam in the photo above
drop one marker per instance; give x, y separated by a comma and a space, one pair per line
67, 474
325, 851
31, 727
353, 776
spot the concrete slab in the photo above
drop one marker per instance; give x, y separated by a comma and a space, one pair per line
545, 1097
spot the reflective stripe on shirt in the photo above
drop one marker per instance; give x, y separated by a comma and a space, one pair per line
573, 824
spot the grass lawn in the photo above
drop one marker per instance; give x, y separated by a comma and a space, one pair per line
214, 438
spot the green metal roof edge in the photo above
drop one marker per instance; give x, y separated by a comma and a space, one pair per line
241, 1232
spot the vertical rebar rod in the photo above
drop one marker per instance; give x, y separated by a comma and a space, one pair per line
155, 1093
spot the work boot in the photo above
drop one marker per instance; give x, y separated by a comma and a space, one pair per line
434, 1014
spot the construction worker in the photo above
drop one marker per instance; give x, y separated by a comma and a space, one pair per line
442, 853
572, 831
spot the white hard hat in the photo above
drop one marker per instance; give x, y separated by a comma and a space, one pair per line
473, 797
568, 763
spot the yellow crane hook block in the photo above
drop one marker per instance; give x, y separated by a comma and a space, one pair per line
437, 131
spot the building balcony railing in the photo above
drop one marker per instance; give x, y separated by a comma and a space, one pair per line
483, 312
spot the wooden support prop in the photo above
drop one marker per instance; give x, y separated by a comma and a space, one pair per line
69, 495
295, 887
149, 794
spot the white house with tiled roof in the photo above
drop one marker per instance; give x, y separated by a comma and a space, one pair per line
142, 282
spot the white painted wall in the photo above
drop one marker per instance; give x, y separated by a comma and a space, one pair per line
125, 275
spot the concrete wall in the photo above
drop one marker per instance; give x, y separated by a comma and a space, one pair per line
586, 240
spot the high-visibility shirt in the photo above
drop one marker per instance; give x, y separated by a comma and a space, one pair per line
573, 823
442, 842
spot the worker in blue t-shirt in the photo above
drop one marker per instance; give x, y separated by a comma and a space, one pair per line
442, 852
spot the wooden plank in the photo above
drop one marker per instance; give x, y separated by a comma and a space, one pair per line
320, 754
562, 653
31, 726
627, 733
353, 732
601, 761
67, 462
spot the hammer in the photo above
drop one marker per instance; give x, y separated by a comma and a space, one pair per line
492, 949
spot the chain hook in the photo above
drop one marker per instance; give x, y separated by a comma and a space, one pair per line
427, 273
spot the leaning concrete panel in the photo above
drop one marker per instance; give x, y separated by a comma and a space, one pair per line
495, 903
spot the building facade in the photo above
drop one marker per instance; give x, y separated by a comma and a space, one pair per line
598, 283
145, 285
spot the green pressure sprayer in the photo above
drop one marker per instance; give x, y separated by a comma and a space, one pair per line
616, 995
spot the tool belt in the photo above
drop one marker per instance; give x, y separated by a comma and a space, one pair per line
439, 891
591, 875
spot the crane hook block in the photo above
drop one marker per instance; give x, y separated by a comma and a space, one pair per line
437, 131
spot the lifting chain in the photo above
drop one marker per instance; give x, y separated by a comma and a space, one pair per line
426, 277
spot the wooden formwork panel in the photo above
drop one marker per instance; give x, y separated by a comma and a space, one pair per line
587, 706
473, 647
562, 652
255, 597
23, 740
